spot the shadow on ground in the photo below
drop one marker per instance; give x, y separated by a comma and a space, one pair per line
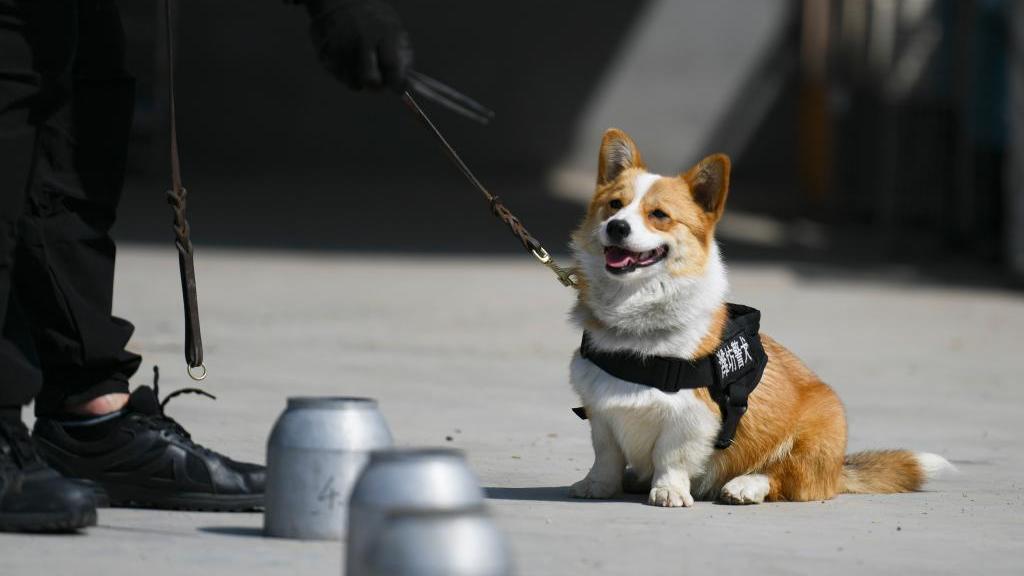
244, 531
537, 494
550, 494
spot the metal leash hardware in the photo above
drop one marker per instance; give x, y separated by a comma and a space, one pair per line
177, 198
566, 276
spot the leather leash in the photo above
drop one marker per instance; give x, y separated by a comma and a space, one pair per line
177, 197
566, 276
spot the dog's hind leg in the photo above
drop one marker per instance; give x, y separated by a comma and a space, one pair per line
746, 489
809, 473
605, 477
813, 468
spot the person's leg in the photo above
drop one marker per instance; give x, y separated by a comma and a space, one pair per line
33, 497
87, 425
19, 84
64, 275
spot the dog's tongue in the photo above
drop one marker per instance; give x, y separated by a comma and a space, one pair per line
618, 257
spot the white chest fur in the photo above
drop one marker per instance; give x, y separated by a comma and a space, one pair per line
646, 423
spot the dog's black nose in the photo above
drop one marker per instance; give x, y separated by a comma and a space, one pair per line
617, 230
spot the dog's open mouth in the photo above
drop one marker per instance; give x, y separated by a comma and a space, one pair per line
618, 260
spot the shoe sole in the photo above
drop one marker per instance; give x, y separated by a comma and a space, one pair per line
135, 497
48, 522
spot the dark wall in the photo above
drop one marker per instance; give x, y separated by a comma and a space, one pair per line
275, 153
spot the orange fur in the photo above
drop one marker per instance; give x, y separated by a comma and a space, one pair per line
795, 433
882, 472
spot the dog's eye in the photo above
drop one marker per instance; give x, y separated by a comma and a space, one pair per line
616, 204
659, 215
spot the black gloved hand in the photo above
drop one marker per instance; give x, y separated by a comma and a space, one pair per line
361, 42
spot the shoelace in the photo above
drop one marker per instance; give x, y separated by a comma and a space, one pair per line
178, 392
16, 443
165, 422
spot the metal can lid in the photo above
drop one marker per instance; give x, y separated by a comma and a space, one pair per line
331, 402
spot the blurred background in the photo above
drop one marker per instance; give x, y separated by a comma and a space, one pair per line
862, 132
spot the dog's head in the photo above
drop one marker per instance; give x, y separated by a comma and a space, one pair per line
642, 226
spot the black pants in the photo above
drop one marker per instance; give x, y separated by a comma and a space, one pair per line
65, 112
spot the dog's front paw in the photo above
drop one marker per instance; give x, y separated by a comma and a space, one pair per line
748, 489
670, 497
589, 488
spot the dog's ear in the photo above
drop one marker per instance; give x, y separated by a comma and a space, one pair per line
618, 152
709, 183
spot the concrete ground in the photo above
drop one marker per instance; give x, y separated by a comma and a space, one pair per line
473, 353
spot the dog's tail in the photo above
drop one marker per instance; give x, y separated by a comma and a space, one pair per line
890, 471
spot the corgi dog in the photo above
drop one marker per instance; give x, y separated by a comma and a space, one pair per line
652, 283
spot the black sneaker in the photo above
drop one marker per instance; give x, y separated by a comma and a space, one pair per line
144, 458
33, 496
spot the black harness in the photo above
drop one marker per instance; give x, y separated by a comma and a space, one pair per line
730, 374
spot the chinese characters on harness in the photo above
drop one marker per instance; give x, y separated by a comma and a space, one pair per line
733, 356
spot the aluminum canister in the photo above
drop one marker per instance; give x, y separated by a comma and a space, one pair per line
439, 544
406, 482
315, 453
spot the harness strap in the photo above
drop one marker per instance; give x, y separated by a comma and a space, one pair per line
669, 375
740, 361
730, 373
177, 197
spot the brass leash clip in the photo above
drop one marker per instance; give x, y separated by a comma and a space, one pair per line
566, 276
